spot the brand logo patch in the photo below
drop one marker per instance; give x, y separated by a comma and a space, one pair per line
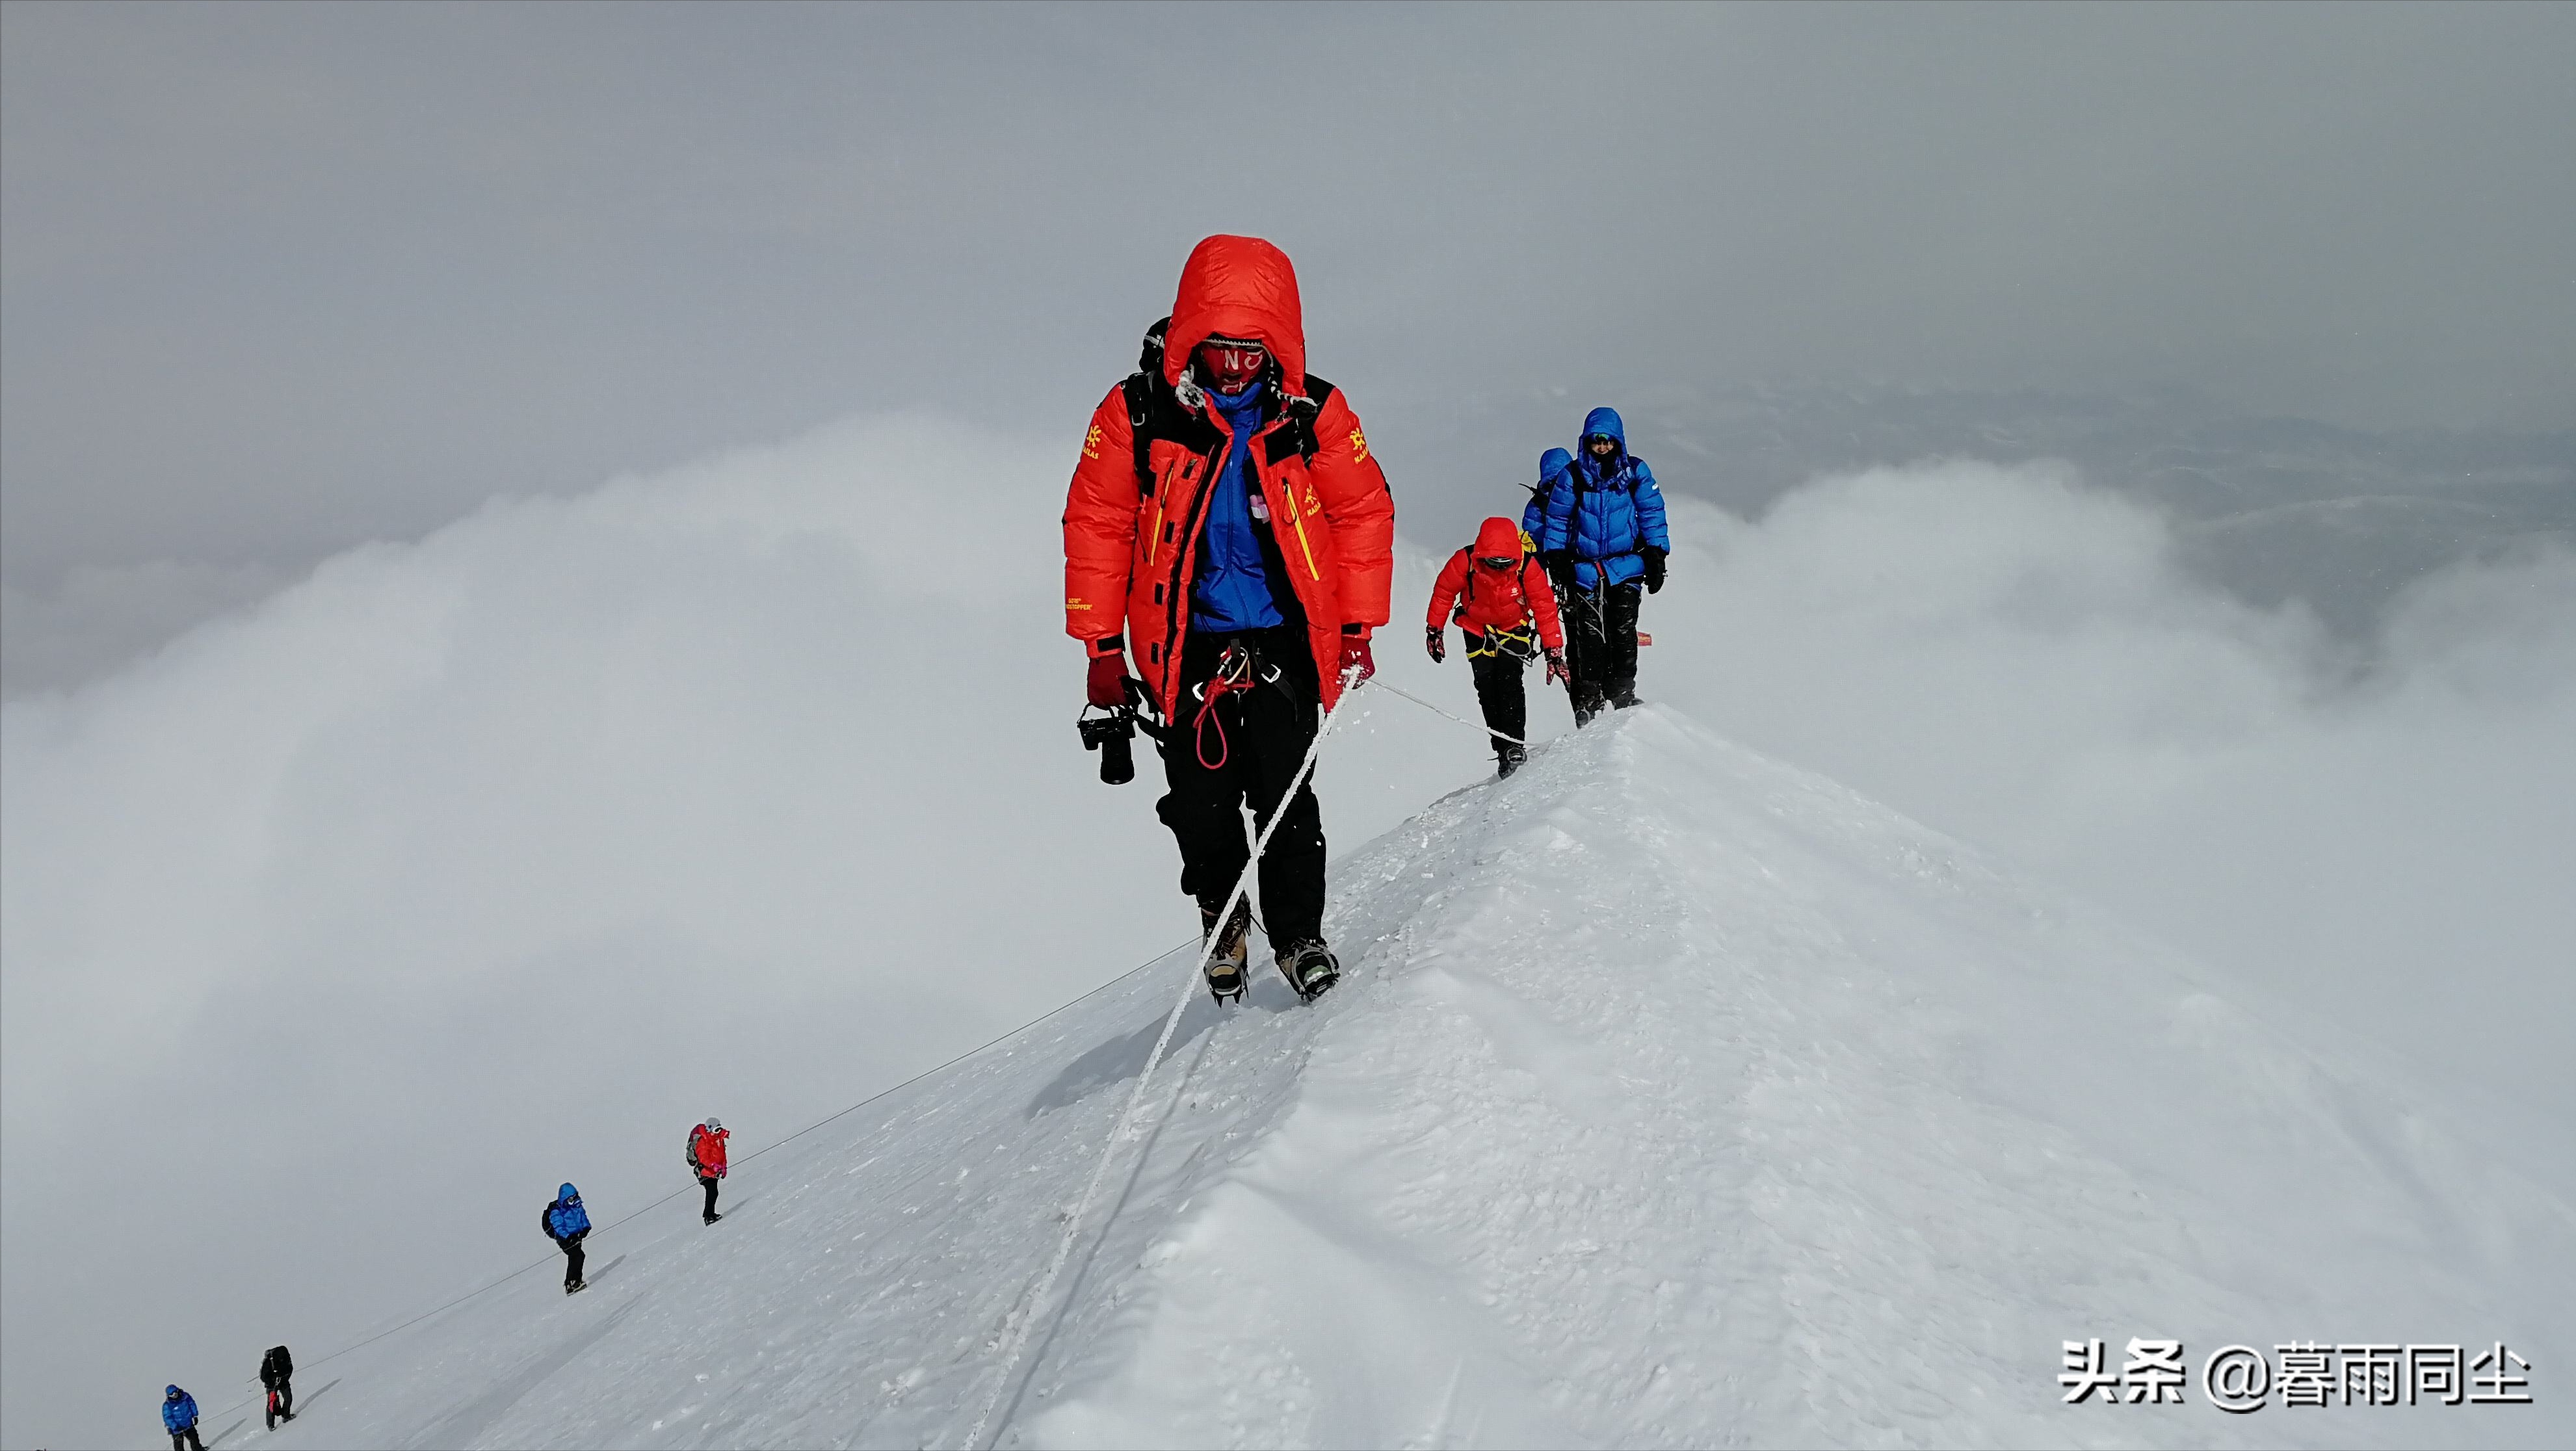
1091, 442
1359, 447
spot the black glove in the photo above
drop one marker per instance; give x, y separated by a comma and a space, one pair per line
1654, 568
1436, 640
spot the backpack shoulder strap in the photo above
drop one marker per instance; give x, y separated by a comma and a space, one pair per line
1139, 389
1297, 433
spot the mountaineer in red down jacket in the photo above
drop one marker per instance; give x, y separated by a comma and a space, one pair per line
1498, 593
1228, 525
707, 1161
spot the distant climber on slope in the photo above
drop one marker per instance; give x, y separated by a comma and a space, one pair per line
1602, 531
568, 1224
707, 1161
1227, 523
179, 1418
1507, 614
1534, 513
277, 1376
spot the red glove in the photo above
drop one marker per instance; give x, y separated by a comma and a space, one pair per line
1436, 641
1356, 663
1107, 684
1556, 666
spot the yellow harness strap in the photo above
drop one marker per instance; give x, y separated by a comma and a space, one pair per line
1491, 642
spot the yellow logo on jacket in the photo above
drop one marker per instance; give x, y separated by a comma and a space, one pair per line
1091, 442
1359, 447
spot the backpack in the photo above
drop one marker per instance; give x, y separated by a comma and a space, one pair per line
276, 1366
696, 1132
1156, 409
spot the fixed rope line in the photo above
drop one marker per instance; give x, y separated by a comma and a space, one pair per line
485, 1289
1460, 719
1136, 1097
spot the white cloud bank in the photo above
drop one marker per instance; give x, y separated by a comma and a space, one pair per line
336, 934
2382, 843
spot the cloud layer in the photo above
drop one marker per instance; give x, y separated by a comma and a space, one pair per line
2380, 838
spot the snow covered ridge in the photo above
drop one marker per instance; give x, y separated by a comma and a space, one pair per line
1674, 1097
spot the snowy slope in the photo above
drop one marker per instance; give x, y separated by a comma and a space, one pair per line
1675, 1097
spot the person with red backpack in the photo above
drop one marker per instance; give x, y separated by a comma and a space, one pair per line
707, 1161
1229, 526
1498, 592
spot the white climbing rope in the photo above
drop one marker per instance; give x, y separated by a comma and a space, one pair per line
1460, 719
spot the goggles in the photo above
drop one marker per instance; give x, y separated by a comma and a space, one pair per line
1496, 561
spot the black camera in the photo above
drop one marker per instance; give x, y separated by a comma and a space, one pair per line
1113, 735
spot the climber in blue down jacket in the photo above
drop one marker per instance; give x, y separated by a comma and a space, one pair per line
1601, 535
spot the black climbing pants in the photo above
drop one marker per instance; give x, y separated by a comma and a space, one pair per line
281, 1402
708, 1183
1498, 689
185, 1439
1241, 752
572, 1256
1601, 641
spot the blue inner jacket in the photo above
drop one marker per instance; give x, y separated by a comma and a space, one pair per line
179, 1410
1603, 511
566, 1214
1232, 589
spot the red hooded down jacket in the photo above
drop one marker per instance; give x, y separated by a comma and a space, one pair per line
1487, 598
1131, 544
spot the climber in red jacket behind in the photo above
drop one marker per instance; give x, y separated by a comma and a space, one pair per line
1499, 595
1229, 526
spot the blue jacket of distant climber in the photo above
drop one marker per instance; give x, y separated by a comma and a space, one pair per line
1534, 513
178, 1410
565, 1217
1601, 513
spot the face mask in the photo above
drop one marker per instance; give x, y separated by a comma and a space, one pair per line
1232, 364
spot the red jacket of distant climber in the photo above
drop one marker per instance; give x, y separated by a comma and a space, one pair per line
708, 1149
1131, 543
1486, 597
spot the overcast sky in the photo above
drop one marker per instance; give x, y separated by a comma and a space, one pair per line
278, 279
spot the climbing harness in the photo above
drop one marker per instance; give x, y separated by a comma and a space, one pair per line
1520, 643
1237, 671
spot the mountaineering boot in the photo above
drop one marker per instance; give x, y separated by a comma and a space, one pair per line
711, 1218
1225, 965
1624, 698
1310, 967
576, 1287
1507, 759
1586, 706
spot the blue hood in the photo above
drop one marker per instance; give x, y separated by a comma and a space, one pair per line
172, 1394
1554, 461
1606, 420
567, 1195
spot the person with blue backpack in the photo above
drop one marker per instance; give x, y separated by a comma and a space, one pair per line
568, 1224
1534, 513
179, 1418
1601, 537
